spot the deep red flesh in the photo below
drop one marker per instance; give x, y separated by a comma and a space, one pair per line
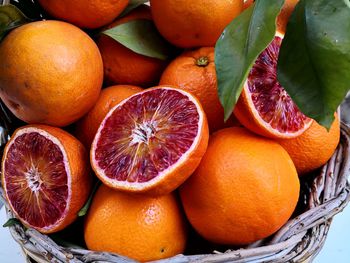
271, 101
146, 135
36, 180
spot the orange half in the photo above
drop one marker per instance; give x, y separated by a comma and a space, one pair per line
150, 142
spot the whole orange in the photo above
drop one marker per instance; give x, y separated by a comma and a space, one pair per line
124, 66
245, 188
314, 147
86, 14
51, 72
87, 127
139, 227
195, 23
194, 71
286, 12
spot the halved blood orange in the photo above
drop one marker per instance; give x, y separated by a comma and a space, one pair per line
150, 142
264, 106
45, 176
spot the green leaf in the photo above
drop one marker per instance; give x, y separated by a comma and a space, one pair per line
239, 46
86, 207
142, 37
10, 18
314, 60
11, 222
132, 5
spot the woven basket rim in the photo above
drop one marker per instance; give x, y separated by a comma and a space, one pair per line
300, 239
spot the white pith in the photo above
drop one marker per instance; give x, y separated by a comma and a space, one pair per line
145, 185
66, 165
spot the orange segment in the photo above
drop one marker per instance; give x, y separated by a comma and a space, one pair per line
150, 142
264, 106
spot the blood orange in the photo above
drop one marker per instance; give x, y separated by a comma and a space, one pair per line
150, 142
45, 177
264, 106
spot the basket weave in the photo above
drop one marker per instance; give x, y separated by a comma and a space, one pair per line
298, 240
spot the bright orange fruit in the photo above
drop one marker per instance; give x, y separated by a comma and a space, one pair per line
194, 71
87, 127
264, 106
124, 66
151, 142
86, 14
61, 72
139, 227
196, 23
314, 147
245, 188
45, 175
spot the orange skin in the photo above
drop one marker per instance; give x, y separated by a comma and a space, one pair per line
283, 17
314, 147
245, 188
286, 12
87, 127
247, 4
86, 14
139, 227
199, 23
194, 71
174, 178
124, 66
81, 180
61, 73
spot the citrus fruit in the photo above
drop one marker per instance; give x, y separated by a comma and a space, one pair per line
151, 142
245, 188
247, 4
314, 147
286, 12
87, 127
196, 23
61, 73
86, 14
136, 226
264, 106
194, 71
124, 66
45, 177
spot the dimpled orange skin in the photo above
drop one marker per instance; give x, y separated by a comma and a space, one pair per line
124, 66
51, 72
191, 72
196, 23
314, 147
81, 179
87, 127
86, 14
139, 227
245, 188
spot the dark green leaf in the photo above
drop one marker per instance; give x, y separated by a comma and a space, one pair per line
142, 37
30, 8
11, 222
132, 5
10, 18
314, 60
239, 46
86, 207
